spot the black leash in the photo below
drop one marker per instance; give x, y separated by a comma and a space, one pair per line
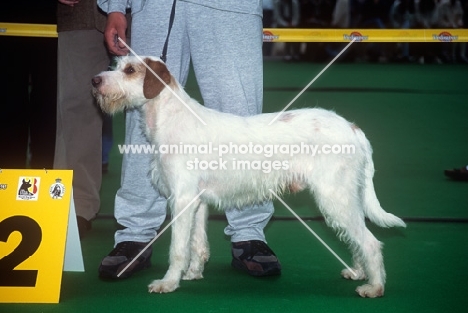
171, 21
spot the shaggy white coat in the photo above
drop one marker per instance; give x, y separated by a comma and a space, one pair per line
341, 183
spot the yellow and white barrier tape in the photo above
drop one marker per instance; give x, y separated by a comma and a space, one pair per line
28, 30
293, 34
364, 35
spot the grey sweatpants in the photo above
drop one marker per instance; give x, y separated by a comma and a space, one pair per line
226, 51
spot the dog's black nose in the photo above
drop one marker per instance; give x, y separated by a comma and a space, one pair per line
96, 81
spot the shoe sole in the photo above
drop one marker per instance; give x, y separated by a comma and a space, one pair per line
237, 264
113, 275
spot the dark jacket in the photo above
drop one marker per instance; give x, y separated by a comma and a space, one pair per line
84, 15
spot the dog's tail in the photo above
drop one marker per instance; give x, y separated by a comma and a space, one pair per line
372, 208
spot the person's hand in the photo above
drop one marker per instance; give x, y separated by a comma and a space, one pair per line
115, 28
69, 2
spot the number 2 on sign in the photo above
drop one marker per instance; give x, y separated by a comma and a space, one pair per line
31, 234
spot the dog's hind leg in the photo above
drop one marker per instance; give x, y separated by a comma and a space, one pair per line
200, 252
357, 272
367, 255
368, 260
371, 255
338, 199
179, 253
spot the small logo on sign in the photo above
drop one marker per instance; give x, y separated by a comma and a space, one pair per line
269, 36
28, 188
445, 37
57, 190
3, 186
355, 35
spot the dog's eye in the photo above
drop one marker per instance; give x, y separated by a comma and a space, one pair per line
129, 70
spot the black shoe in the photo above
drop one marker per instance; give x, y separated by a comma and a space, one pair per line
255, 258
113, 264
460, 174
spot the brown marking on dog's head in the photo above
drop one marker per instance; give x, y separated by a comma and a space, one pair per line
152, 86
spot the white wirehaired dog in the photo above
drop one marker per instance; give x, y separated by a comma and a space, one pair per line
341, 183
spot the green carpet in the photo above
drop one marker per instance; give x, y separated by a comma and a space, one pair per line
425, 265
416, 119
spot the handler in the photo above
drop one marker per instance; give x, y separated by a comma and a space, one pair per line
223, 40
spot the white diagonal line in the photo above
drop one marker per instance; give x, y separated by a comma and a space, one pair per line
313, 80
160, 233
160, 79
313, 233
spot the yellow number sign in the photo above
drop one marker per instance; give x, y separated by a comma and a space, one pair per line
34, 209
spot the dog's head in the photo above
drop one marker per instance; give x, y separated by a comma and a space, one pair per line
25, 184
131, 84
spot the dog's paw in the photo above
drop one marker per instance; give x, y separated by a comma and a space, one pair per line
370, 291
357, 275
163, 286
192, 274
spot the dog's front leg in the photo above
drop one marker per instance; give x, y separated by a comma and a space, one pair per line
200, 252
179, 254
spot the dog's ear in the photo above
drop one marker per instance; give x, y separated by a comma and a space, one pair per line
152, 86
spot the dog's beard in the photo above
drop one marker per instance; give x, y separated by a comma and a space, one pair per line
111, 104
